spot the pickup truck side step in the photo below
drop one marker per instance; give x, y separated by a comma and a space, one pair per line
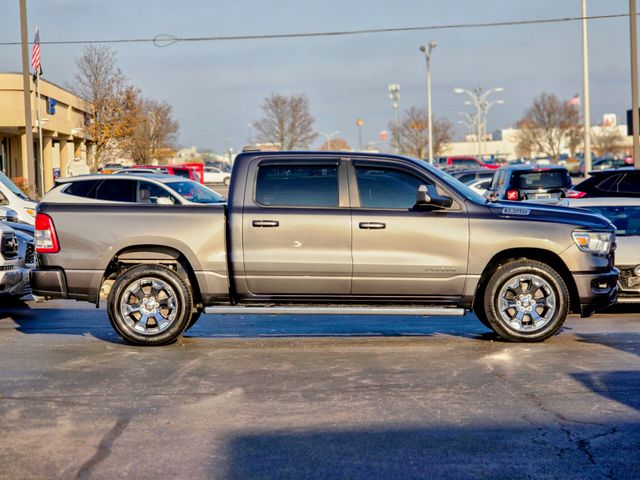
313, 310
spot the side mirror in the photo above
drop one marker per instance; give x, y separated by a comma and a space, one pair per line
8, 215
428, 196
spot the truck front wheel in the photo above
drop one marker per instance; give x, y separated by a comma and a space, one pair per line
526, 301
149, 305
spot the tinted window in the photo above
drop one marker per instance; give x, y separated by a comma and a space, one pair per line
609, 183
387, 188
298, 186
466, 178
626, 219
195, 192
182, 172
117, 190
150, 193
85, 188
630, 183
544, 179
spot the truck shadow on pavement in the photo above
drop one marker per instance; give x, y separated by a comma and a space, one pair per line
545, 450
94, 322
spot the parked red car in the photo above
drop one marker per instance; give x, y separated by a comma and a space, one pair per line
463, 162
192, 171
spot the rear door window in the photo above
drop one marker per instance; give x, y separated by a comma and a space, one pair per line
297, 185
117, 190
630, 184
85, 188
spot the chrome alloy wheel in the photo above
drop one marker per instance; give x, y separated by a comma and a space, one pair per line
148, 306
527, 302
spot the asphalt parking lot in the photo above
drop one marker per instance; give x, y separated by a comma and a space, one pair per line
316, 397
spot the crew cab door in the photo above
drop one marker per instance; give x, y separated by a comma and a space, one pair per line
296, 228
399, 250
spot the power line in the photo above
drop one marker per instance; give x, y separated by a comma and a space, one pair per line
164, 40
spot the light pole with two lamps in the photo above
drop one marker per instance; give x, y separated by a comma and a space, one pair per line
479, 98
428, 50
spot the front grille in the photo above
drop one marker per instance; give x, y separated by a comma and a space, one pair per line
6, 268
30, 255
628, 279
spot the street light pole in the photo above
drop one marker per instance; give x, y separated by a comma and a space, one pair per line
635, 116
427, 50
394, 96
329, 136
479, 99
585, 90
26, 85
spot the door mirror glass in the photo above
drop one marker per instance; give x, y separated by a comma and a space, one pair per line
428, 196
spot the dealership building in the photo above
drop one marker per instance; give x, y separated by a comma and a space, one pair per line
65, 141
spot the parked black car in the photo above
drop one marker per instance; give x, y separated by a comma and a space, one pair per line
622, 182
523, 183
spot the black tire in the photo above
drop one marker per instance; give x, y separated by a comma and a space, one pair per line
195, 316
175, 314
482, 316
546, 282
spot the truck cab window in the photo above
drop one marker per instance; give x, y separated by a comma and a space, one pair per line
387, 188
297, 186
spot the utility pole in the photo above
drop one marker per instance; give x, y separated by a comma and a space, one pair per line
26, 85
585, 90
634, 82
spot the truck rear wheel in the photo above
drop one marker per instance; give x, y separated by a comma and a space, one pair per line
526, 301
149, 305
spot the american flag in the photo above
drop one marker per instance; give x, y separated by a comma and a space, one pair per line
35, 54
574, 101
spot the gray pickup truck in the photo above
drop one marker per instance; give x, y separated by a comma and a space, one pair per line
319, 233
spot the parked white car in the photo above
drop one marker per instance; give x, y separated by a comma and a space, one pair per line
11, 196
215, 175
624, 213
17, 258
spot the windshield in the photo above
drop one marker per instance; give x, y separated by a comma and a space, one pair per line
626, 219
194, 192
455, 183
542, 179
13, 188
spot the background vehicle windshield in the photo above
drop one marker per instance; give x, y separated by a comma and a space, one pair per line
194, 192
12, 186
544, 179
626, 219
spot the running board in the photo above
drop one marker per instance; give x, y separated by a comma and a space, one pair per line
279, 310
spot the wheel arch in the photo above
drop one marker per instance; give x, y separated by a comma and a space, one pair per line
538, 254
131, 256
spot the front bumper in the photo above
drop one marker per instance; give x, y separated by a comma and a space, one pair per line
596, 290
50, 283
12, 281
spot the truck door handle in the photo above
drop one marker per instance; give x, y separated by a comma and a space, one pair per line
372, 225
265, 223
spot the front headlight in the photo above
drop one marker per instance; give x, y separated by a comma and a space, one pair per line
594, 242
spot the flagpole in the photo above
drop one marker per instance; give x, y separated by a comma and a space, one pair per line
39, 118
585, 88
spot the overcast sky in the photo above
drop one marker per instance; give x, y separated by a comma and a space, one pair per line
216, 88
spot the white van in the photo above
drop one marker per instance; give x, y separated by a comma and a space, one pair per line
11, 196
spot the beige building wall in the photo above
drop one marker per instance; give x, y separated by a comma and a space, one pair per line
64, 133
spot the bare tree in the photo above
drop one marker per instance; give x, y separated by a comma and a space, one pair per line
154, 132
99, 81
287, 122
411, 133
548, 125
336, 145
607, 141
